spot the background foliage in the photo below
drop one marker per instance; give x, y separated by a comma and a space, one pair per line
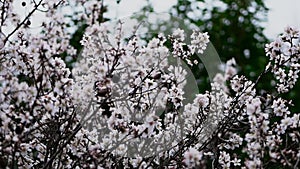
236, 30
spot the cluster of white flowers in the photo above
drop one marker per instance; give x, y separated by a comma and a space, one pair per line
122, 104
284, 59
131, 89
199, 42
192, 157
256, 116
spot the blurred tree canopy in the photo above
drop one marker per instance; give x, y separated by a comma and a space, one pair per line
234, 26
236, 30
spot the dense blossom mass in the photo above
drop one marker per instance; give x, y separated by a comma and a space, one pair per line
120, 102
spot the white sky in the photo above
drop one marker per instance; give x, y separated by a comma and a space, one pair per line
281, 14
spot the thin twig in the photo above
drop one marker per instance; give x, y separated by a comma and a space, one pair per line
23, 22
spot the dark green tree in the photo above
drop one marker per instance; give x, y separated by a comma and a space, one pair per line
235, 28
236, 31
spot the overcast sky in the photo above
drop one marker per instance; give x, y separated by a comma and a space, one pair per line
281, 14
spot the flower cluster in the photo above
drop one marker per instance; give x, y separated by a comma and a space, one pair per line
123, 104
284, 59
199, 41
192, 157
132, 89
